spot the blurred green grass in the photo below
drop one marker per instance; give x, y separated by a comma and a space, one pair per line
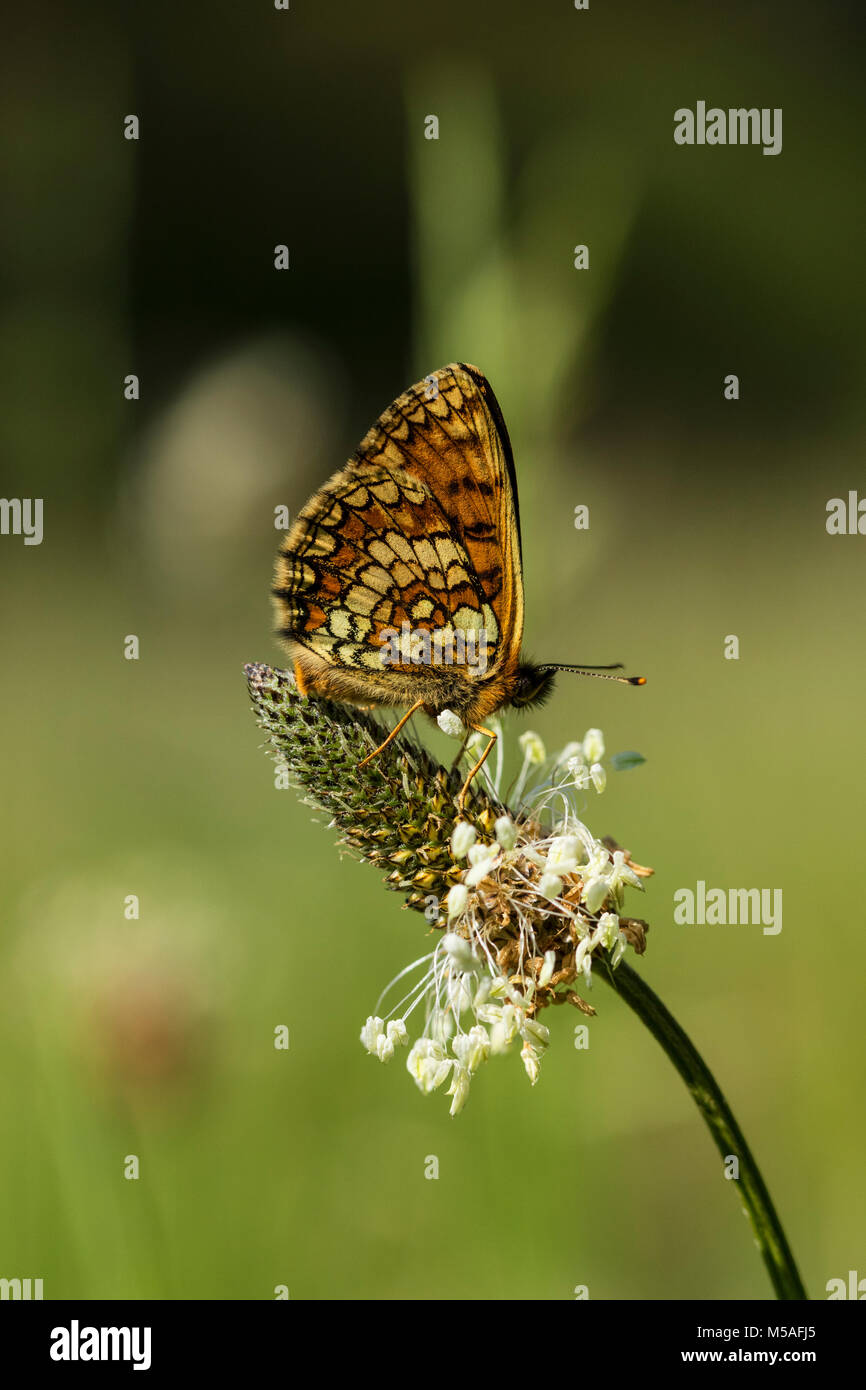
155, 1037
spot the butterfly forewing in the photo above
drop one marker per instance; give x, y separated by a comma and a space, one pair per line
420, 528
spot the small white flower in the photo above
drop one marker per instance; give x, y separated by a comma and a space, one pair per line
384, 1048
428, 1064
483, 859
459, 1088
533, 748
531, 1055
562, 855
533, 856
547, 968
458, 897
580, 772
593, 745
450, 724
458, 993
482, 994
472, 1048
370, 1034
550, 886
463, 837
623, 873
598, 863
536, 1033
441, 1025
582, 925
504, 1028
619, 950
594, 893
599, 777
531, 1062
398, 1032
608, 929
459, 952
506, 832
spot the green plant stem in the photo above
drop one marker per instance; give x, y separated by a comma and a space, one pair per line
727, 1134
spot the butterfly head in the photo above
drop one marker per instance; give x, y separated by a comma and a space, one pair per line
533, 685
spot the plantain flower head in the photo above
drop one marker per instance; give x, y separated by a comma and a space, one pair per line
522, 897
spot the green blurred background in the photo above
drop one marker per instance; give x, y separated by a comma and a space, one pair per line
155, 1037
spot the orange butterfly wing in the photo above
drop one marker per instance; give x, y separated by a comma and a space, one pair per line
448, 432
420, 527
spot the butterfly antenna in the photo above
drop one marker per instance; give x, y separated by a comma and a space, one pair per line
600, 672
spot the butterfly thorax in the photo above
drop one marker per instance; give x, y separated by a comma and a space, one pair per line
473, 701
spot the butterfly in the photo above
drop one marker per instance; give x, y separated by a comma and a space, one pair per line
400, 582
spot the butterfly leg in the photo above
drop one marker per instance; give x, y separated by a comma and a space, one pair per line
489, 734
393, 734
